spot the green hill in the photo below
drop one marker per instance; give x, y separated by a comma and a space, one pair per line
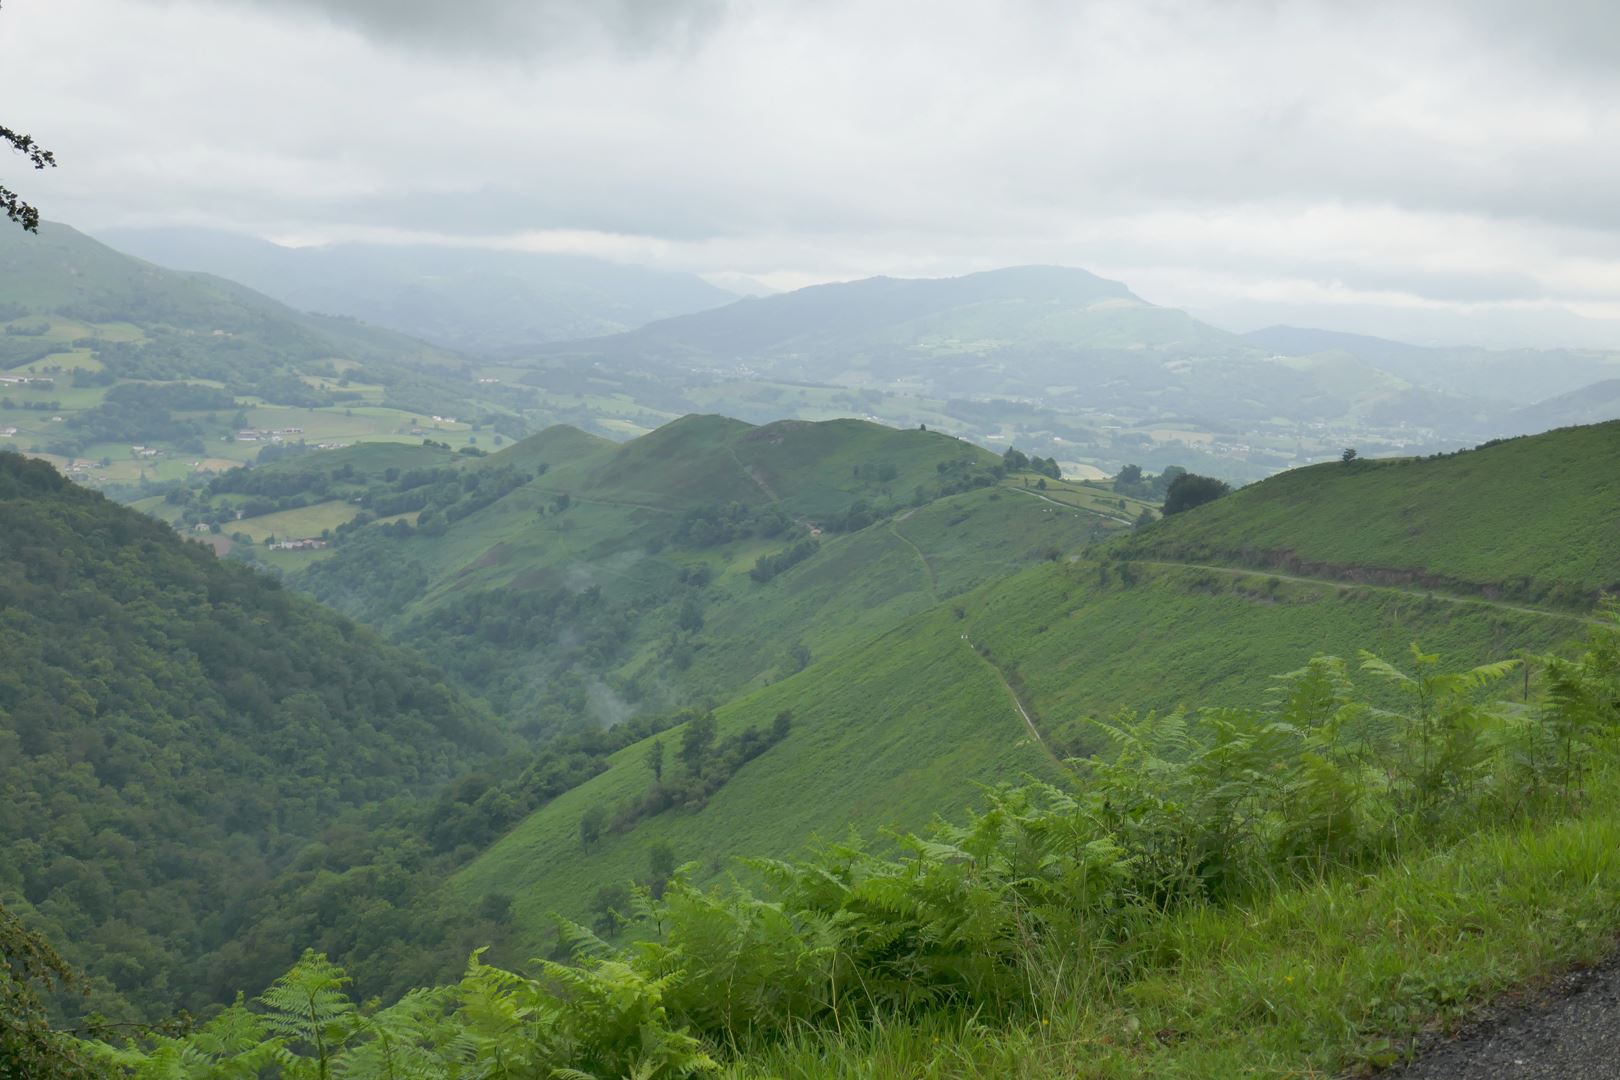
1125, 626
1530, 519
174, 729
122, 371
726, 640
567, 577
897, 728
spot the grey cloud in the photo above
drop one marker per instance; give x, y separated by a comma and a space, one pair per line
1564, 35
517, 27
1449, 149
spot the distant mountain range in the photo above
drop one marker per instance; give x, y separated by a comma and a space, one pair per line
1056, 360
1498, 328
472, 299
1510, 374
1068, 340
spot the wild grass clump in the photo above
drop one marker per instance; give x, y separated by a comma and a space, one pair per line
1102, 906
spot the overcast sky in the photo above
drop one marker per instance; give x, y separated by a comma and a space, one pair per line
1460, 154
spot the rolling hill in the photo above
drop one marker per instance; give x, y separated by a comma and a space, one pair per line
480, 301
1154, 621
1530, 519
950, 626
121, 370
568, 576
1591, 404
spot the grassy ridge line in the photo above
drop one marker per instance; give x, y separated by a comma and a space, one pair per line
1533, 518
1080, 648
1310, 983
1419, 594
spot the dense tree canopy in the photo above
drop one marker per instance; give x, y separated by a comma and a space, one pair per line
173, 728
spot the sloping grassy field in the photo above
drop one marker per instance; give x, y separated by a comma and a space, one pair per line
1536, 517
888, 732
892, 730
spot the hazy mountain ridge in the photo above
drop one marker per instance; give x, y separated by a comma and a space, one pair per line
124, 371
478, 300
1065, 340
1506, 375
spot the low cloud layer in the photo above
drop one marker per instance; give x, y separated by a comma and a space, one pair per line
1454, 154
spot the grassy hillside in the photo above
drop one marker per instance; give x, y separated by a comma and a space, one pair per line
604, 578
952, 627
894, 728
173, 730
1529, 519
121, 371
1075, 640
890, 731
1250, 896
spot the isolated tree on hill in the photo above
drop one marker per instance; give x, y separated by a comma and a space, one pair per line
1130, 474
1349, 455
40, 158
696, 740
655, 759
590, 825
1189, 490
660, 868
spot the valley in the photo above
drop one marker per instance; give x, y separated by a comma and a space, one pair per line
738, 541
660, 667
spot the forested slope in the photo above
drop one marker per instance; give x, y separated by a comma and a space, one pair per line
173, 728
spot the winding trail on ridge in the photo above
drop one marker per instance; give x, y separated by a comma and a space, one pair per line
928, 567
1070, 506
754, 475
1018, 704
